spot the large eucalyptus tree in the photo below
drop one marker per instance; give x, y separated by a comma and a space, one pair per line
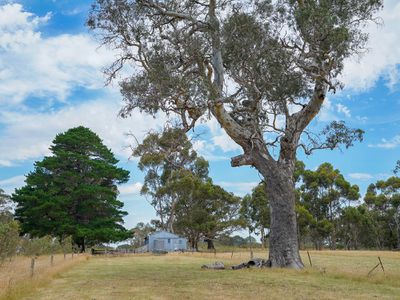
262, 68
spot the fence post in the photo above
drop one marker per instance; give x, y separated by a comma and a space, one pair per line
32, 266
309, 258
52, 260
383, 269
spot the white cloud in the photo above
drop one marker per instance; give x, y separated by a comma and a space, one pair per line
361, 176
33, 65
343, 109
383, 57
206, 149
199, 145
130, 188
387, 144
28, 135
330, 112
13, 18
362, 119
9, 184
220, 138
225, 142
326, 113
5, 163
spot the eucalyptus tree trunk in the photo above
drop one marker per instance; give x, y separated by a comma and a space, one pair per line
280, 187
278, 175
250, 246
283, 240
312, 54
170, 223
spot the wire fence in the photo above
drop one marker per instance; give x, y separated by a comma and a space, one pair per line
20, 269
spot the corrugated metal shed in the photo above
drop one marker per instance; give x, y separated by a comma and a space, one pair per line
165, 241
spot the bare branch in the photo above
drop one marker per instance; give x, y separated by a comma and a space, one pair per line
241, 160
168, 13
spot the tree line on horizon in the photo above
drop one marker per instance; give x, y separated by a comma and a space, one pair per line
329, 212
72, 196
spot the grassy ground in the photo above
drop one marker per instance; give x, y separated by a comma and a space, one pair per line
335, 275
16, 279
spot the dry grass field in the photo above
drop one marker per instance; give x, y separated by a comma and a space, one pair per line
16, 279
334, 275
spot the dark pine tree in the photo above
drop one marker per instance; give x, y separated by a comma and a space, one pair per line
74, 192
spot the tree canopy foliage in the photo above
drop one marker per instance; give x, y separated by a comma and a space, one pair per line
255, 212
262, 68
323, 193
182, 194
383, 198
397, 168
9, 228
140, 232
162, 156
203, 210
74, 192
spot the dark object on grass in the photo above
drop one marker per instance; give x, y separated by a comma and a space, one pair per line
159, 252
215, 266
253, 263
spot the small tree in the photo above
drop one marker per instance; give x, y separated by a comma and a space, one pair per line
74, 192
397, 168
9, 229
162, 154
323, 193
256, 213
356, 228
383, 199
203, 210
140, 232
5, 206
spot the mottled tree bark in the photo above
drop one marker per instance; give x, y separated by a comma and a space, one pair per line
283, 242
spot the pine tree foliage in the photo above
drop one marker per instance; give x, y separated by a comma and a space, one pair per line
74, 191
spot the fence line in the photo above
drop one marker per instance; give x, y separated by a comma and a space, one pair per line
23, 269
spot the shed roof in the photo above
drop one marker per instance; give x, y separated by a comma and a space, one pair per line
164, 234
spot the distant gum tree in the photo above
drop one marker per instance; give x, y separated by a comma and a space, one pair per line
255, 212
203, 210
161, 154
261, 68
397, 168
383, 199
324, 192
9, 228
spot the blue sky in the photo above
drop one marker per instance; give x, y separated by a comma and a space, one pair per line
51, 80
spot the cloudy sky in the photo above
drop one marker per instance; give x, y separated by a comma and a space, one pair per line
51, 80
